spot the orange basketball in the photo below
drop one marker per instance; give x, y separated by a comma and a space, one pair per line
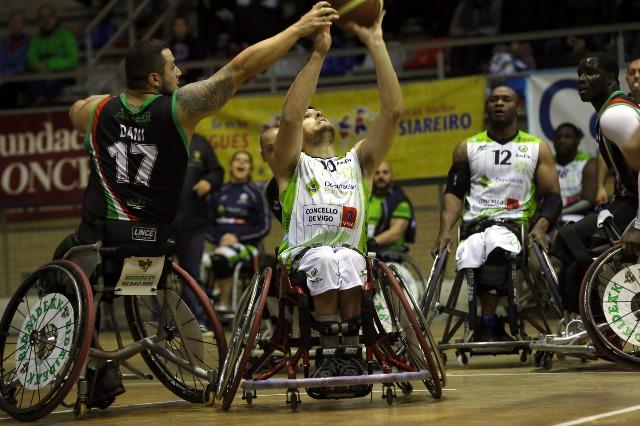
362, 12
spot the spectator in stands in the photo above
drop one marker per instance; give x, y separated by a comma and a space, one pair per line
390, 217
13, 58
473, 18
241, 221
577, 171
214, 18
185, 47
204, 176
53, 49
253, 21
633, 79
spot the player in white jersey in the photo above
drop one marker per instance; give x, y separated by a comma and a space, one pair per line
495, 181
577, 172
324, 196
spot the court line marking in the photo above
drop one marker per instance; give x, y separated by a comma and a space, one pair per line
551, 374
589, 419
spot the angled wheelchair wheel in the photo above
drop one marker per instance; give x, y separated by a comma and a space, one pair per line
610, 306
45, 335
409, 329
171, 319
433, 286
548, 275
243, 340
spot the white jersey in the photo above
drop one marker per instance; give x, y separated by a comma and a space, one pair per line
324, 204
570, 177
502, 178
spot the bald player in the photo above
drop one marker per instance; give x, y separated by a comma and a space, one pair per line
495, 180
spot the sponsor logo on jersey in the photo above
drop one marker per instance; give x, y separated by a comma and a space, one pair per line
523, 148
512, 203
321, 214
313, 187
484, 181
349, 216
342, 186
143, 233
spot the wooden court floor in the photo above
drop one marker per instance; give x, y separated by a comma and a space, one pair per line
488, 391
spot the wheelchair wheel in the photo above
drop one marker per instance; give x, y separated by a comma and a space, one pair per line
548, 275
45, 335
169, 315
409, 327
610, 306
432, 289
245, 333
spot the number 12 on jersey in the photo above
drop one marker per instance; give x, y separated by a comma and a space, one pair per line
502, 157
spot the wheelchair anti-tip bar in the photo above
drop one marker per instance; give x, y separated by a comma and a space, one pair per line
325, 382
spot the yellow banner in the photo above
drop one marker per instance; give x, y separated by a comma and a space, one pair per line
438, 114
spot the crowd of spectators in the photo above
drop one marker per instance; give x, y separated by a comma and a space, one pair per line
221, 28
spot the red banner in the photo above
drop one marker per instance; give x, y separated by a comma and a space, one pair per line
43, 161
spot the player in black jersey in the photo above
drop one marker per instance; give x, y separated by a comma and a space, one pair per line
138, 141
618, 137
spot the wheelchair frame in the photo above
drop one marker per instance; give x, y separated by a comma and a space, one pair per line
379, 345
431, 307
79, 263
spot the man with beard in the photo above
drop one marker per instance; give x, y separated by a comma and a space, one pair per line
324, 200
618, 136
390, 218
495, 181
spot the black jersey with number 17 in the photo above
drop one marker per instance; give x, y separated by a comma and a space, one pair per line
138, 161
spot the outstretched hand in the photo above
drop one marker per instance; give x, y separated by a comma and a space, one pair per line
322, 41
321, 15
368, 35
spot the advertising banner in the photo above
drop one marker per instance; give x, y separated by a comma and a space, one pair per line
42, 160
553, 99
437, 115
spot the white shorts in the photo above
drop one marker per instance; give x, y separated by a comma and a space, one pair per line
473, 252
333, 268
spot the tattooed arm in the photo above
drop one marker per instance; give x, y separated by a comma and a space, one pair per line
198, 100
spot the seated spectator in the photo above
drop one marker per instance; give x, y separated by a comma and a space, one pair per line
473, 18
53, 49
13, 59
185, 47
253, 21
577, 172
241, 221
390, 218
633, 79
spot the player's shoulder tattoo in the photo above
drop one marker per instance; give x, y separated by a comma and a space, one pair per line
207, 96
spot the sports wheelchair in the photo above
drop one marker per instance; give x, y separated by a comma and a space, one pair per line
542, 302
608, 326
406, 265
49, 333
400, 346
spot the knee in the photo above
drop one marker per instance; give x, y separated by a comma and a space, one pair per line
494, 273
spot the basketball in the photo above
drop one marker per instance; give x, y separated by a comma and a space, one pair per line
362, 12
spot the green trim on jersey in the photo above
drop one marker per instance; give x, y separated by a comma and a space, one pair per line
112, 213
362, 246
176, 122
133, 110
287, 198
521, 137
582, 156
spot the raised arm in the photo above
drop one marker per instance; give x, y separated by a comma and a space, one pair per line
289, 138
457, 186
382, 132
198, 100
80, 112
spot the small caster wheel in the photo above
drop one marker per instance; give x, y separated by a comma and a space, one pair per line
249, 396
80, 410
406, 388
462, 358
537, 358
389, 395
209, 396
294, 402
524, 357
547, 361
